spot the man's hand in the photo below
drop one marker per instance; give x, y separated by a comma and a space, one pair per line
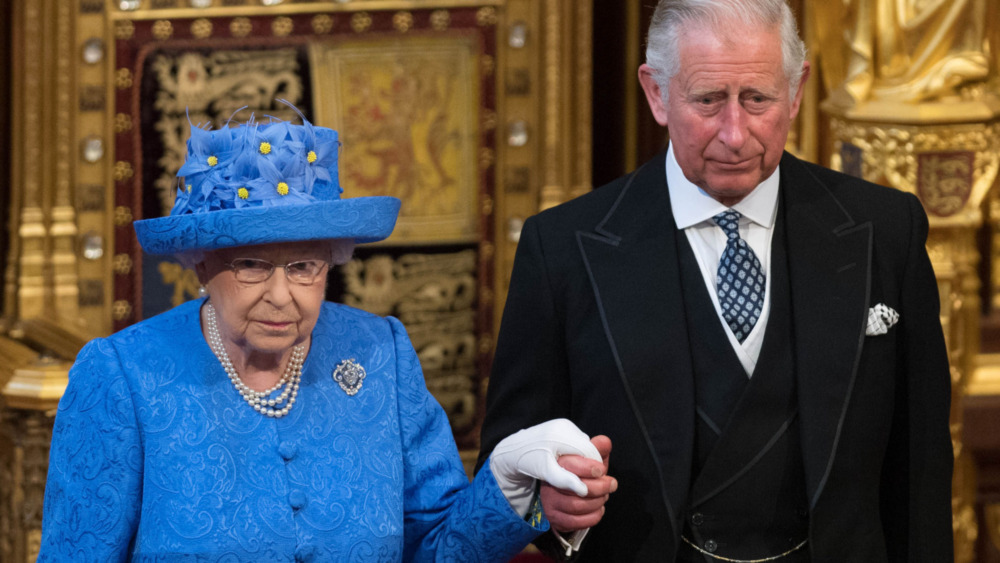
567, 511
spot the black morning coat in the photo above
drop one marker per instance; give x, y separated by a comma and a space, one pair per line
594, 330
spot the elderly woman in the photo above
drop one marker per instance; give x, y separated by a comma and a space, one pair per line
261, 423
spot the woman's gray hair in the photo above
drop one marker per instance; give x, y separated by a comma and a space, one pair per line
341, 252
672, 17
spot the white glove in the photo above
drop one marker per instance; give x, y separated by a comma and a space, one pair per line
531, 454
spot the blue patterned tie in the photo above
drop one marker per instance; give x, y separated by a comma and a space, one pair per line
741, 279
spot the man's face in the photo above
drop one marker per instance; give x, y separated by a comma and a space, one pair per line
729, 109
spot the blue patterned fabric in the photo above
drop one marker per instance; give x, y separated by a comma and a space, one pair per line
740, 281
155, 457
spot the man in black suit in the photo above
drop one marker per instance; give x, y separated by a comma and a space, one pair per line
758, 336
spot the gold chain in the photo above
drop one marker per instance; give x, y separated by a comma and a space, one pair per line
721, 558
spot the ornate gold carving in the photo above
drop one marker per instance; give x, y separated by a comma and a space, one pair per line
123, 171
434, 296
184, 280
889, 153
408, 112
92, 98
489, 120
487, 157
201, 28
402, 21
440, 20
901, 50
486, 251
361, 22
121, 264
24, 467
121, 310
486, 16
123, 79
282, 27
123, 122
164, 29
124, 30
91, 6
38, 386
240, 27
322, 24
123, 216
486, 206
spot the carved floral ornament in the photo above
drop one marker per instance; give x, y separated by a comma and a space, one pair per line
951, 167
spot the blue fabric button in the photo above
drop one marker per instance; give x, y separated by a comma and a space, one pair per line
297, 499
305, 553
288, 450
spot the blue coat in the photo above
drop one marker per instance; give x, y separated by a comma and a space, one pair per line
155, 456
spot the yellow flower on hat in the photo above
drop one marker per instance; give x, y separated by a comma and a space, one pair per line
265, 147
243, 193
213, 160
282, 188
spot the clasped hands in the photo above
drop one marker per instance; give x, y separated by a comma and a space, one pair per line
572, 469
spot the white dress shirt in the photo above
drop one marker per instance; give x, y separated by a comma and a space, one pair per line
693, 211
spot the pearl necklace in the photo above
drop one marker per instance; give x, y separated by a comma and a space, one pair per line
258, 399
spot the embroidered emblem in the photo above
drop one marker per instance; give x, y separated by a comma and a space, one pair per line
880, 319
349, 375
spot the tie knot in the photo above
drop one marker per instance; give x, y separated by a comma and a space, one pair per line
729, 222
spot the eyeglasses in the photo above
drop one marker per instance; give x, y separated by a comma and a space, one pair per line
252, 270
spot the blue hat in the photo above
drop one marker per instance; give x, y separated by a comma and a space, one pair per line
259, 183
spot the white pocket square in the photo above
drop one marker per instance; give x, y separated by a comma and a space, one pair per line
881, 318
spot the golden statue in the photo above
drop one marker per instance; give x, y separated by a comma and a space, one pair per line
902, 50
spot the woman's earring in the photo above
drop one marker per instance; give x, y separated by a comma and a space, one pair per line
202, 292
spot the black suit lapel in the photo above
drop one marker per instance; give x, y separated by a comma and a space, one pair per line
829, 258
631, 260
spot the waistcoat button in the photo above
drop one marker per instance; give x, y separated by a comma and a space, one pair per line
697, 519
711, 546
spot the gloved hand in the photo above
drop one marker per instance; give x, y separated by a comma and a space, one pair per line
532, 454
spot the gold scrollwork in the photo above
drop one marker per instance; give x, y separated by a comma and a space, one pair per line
123, 79
184, 280
240, 27
123, 216
361, 22
486, 16
123, 122
892, 152
322, 24
124, 30
163, 29
121, 264
402, 21
282, 27
121, 310
440, 20
488, 64
201, 28
123, 171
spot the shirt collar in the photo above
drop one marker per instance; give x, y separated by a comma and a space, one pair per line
691, 205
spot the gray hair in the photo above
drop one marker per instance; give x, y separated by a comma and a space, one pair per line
341, 252
673, 16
